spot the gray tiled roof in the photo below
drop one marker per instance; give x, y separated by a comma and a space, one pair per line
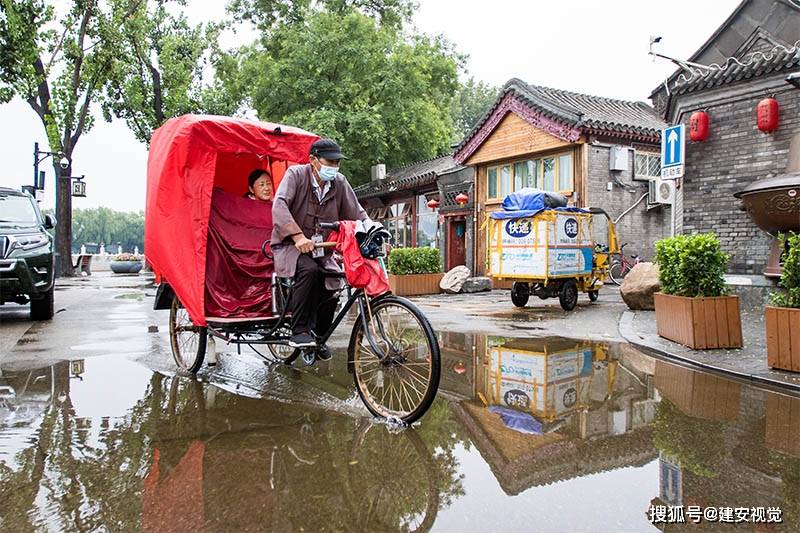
759, 65
415, 175
593, 114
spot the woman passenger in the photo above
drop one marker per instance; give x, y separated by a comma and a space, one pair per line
259, 184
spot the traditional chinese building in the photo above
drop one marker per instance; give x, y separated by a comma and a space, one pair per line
751, 56
598, 152
417, 204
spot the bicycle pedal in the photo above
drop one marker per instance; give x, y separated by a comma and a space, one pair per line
308, 357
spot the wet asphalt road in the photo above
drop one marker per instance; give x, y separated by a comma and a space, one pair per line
97, 432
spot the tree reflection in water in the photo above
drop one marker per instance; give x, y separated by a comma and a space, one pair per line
188, 456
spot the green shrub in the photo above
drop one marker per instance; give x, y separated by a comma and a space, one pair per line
414, 261
790, 279
692, 265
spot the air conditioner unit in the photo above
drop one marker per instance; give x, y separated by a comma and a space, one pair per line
661, 192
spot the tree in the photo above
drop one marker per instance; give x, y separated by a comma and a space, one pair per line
385, 97
266, 15
58, 64
160, 69
470, 104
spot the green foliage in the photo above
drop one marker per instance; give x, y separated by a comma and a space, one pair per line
159, 69
104, 225
471, 102
692, 265
790, 279
404, 261
385, 97
266, 15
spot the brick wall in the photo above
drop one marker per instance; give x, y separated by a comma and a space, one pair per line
735, 154
641, 227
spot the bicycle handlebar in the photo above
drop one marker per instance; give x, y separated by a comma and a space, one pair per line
329, 225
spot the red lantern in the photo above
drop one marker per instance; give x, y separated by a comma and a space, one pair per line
433, 204
767, 115
462, 199
459, 368
698, 126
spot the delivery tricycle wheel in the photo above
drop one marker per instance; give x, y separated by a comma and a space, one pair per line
520, 292
187, 340
568, 295
593, 295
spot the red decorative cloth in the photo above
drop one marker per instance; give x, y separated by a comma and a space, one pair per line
238, 274
360, 272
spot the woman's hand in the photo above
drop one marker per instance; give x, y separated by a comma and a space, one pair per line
303, 244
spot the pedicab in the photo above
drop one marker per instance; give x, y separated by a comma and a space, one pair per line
550, 250
209, 249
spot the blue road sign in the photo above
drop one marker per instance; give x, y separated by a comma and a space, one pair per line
673, 150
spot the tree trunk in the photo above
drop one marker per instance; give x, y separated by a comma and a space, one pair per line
64, 219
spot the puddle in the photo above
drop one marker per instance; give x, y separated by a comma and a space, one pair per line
136, 296
530, 434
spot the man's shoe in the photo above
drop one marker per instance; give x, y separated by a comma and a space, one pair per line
302, 340
324, 353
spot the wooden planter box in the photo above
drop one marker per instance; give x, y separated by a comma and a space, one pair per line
699, 323
783, 338
415, 284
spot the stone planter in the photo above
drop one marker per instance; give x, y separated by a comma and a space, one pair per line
415, 284
783, 338
699, 323
126, 267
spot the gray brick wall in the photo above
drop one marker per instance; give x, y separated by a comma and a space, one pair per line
735, 154
641, 227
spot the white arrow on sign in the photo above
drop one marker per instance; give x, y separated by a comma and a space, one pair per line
672, 141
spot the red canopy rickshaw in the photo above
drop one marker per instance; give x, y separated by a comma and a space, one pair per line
189, 156
196, 171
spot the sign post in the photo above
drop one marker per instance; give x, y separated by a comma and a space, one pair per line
673, 152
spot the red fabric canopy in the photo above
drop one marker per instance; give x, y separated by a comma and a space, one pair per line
189, 156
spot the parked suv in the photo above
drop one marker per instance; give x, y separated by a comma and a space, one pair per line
26, 254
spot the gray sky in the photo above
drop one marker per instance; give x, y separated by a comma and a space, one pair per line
586, 46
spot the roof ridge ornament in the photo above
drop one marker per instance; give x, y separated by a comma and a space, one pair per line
698, 70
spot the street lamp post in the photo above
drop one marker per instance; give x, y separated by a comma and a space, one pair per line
62, 231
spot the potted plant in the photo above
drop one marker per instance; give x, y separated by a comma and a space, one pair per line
783, 316
126, 264
693, 307
415, 271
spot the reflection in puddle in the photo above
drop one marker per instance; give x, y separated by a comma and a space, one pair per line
531, 434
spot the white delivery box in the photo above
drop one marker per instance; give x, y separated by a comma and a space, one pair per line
551, 244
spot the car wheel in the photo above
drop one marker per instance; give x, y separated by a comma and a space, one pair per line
42, 309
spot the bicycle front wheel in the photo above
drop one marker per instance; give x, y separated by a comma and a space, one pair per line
400, 380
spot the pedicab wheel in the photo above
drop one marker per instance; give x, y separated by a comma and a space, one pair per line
593, 295
188, 341
568, 295
401, 381
520, 292
615, 273
283, 352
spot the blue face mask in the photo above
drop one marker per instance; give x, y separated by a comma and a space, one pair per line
327, 173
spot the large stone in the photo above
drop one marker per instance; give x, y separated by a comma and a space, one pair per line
640, 285
479, 284
454, 279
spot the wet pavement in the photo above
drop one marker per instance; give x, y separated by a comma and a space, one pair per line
530, 433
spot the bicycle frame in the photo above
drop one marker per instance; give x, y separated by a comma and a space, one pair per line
235, 333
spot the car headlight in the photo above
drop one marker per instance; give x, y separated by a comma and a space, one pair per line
29, 242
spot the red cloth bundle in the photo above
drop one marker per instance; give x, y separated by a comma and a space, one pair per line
238, 274
360, 272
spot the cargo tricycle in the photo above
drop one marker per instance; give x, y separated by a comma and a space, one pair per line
552, 253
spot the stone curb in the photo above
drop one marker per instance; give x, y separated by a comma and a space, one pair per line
627, 332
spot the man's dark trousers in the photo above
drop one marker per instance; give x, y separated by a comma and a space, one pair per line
312, 305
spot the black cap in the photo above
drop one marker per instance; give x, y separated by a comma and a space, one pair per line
327, 148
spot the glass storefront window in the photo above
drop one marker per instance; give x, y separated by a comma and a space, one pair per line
554, 173
491, 180
427, 224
